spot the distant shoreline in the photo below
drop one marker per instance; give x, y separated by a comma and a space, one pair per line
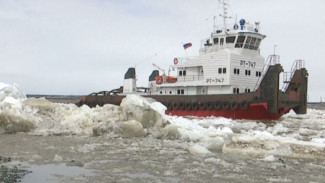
67, 99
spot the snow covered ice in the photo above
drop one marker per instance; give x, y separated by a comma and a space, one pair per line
142, 121
293, 135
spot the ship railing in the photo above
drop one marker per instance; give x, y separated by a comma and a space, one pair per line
287, 76
181, 60
271, 60
222, 27
247, 27
190, 78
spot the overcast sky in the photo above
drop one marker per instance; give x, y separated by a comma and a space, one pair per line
82, 46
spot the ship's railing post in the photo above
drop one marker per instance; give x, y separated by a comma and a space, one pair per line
190, 78
287, 76
271, 60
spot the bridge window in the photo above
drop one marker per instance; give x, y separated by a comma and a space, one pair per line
258, 74
257, 45
240, 41
247, 90
230, 39
222, 40
252, 43
216, 40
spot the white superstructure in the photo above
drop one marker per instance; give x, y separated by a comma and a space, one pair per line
229, 62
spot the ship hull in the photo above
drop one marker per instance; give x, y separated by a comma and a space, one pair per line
266, 103
242, 106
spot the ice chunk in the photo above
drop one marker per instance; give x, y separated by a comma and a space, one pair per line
145, 110
132, 128
319, 140
270, 158
198, 149
57, 158
7, 90
103, 128
169, 132
214, 144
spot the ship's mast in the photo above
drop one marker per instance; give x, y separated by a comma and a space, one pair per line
225, 13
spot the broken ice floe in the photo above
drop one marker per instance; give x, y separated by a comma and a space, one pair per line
138, 117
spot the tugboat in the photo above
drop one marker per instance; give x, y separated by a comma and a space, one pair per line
229, 78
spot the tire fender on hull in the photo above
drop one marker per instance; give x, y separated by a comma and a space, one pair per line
234, 106
225, 106
181, 105
188, 106
202, 106
195, 106
244, 106
210, 106
217, 105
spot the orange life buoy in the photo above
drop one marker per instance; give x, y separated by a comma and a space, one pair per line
175, 61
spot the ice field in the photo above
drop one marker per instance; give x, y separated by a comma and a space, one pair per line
136, 141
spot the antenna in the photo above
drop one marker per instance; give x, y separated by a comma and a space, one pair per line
225, 14
274, 49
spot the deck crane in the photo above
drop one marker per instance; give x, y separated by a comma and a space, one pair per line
162, 78
159, 68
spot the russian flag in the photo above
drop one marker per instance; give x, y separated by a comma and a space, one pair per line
187, 45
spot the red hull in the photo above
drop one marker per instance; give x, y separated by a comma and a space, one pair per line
266, 103
254, 112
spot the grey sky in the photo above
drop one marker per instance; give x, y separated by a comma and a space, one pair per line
81, 46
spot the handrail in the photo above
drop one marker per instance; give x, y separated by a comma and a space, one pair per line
271, 60
190, 78
182, 60
287, 76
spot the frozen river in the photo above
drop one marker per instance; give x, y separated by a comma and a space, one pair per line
102, 159
41, 141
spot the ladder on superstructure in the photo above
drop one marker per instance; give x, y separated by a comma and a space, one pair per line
287, 76
271, 60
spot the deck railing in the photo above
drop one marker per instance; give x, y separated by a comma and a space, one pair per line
189, 78
287, 76
271, 60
